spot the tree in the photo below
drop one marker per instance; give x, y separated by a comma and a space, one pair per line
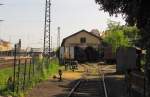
121, 35
136, 12
133, 34
116, 37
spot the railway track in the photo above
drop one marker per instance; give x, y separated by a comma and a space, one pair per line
9, 62
90, 85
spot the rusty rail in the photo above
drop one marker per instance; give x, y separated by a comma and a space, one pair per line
102, 75
74, 88
78, 83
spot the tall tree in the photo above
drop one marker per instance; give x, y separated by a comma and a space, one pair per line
133, 34
136, 12
116, 36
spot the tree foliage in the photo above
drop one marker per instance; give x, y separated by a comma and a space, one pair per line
133, 34
120, 35
116, 39
136, 12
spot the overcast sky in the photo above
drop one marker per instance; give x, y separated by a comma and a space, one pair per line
25, 19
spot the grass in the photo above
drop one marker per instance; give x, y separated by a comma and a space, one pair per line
42, 72
4, 75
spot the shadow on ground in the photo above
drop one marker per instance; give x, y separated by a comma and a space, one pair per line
88, 88
115, 86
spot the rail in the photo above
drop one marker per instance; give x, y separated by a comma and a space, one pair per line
102, 75
78, 83
74, 88
104, 84
9, 61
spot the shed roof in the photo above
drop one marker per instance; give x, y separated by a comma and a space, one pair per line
98, 37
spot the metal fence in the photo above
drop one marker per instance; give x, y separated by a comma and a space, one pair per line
24, 72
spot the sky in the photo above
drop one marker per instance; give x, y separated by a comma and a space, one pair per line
25, 19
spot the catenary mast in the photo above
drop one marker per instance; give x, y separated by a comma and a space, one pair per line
47, 29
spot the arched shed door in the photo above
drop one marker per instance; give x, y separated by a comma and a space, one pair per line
79, 54
91, 54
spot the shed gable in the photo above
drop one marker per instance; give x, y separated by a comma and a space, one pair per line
76, 38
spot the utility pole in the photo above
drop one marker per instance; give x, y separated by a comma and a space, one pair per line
58, 38
51, 43
47, 29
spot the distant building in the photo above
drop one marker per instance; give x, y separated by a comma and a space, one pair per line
5, 45
36, 52
86, 44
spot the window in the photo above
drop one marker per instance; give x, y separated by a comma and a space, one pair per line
82, 40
